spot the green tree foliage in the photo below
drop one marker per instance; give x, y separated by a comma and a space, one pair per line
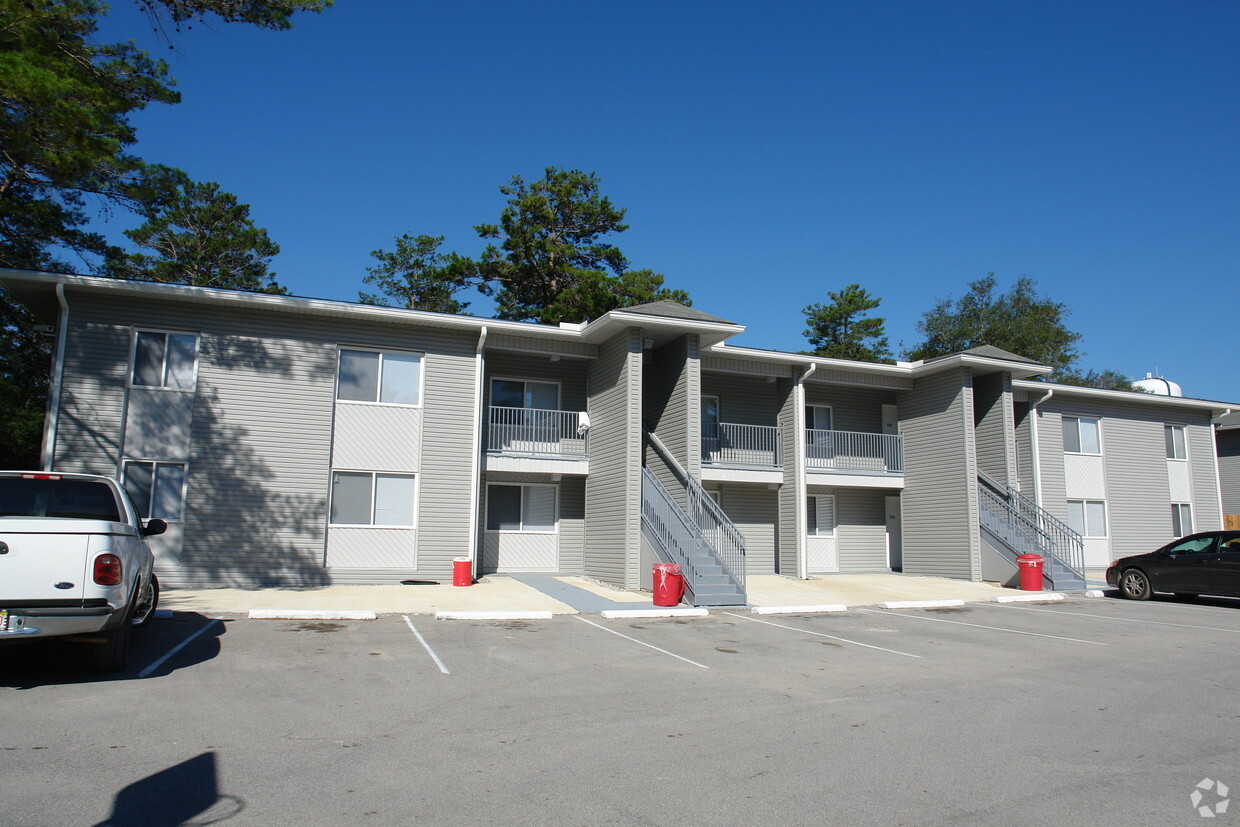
65, 155
417, 276
200, 236
1110, 380
1019, 321
841, 329
553, 262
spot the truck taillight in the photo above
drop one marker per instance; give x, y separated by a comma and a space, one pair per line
108, 570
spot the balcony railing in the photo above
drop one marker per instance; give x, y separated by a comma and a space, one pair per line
744, 445
850, 452
536, 432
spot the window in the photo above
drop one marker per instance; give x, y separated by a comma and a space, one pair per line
380, 376
1181, 519
710, 417
818, 417
1080, 435
156, 488
820, 516
1174, 435
527, 508
515, 393
1197, 545
1088, 518
365, 498
164, 360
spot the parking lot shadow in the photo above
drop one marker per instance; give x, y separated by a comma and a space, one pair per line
174, 796
165, 646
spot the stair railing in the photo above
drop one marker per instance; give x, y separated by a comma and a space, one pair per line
1027, 527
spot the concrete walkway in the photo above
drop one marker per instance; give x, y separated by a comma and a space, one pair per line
563, 595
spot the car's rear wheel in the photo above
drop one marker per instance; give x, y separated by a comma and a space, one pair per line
112, 653
1134, 585
145, 612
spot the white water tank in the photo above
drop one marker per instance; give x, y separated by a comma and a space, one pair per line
1157, 385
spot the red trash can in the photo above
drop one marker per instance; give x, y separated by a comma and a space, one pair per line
668, 584
1030, 572
462, 571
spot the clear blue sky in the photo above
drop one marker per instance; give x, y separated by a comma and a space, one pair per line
766, 153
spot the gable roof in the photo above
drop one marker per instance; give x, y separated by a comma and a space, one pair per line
669, 309
989, 352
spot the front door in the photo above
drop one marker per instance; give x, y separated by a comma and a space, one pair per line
895, 539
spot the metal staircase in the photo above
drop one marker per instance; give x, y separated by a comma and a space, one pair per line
697, 535
1013, 524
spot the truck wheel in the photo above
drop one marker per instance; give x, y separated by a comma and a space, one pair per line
145, 612
113, 653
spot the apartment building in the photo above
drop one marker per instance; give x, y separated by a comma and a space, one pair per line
293, 441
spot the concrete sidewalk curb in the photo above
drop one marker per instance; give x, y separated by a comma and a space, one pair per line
1031, 597
309, 614
1094, 593
626, 613
921, 604
493, 615
797, 610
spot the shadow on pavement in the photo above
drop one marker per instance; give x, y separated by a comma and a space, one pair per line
175, 796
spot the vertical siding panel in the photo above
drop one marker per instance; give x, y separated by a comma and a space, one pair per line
791, 421
1228, 441
572, 524
992, 417
1200, 439
613, 489
861, 529
939, 503
755, 511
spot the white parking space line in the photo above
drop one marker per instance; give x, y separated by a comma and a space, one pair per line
148, 670
981, 626
426, 645
820, 634
1122, 619
642, 642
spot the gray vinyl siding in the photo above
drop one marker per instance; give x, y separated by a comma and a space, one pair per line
939, 502
743, 400
572, 524
1023, 432
791, 534
992, 418
613, 489
1134, 455
861, 529
92, 402
671, 399
256, 505
569, 373
852, 409
1228, 441
755, 511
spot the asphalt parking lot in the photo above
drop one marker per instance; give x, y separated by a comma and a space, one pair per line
1087, 711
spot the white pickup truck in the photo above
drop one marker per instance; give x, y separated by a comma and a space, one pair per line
74, 562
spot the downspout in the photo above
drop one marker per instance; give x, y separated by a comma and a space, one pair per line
798, 427
47, 453
1037, 454
474, 474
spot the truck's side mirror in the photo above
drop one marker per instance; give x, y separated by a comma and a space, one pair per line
153, 527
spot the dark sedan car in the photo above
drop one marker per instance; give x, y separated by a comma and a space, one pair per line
1205, 563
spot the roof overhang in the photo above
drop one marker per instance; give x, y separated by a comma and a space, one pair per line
1040, 389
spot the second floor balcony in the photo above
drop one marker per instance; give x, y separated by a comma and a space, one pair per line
853, 452
745, 446
535, 432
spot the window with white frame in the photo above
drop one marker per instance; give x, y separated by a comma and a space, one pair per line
1081, 435
156, 488
164, 360
1177, 448
519, 393
1088, 518
522, 508
818, 417
389, 377
372, 498
1181, 519
820, 516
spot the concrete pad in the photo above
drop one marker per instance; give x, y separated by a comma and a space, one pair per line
617, 595
861, 589
492, 593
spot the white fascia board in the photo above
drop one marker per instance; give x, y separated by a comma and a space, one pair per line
606, 326
755, 354
972, 360
287, 304
1125, 397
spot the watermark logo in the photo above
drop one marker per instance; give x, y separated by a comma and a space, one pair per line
1219, 790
